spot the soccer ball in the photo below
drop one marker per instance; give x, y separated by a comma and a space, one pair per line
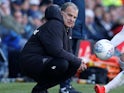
103, 49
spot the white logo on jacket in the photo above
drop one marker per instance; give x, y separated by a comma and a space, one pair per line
35, 32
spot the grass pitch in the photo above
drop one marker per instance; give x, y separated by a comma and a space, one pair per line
27, 87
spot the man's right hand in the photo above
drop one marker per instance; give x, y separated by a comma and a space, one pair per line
82, 67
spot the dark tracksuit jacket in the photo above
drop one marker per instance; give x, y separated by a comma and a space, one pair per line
50, 41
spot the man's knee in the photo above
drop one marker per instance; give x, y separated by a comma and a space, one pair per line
57, 67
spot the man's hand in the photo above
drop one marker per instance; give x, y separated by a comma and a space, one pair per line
82, 67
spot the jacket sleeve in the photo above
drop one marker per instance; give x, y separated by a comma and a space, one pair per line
52, 40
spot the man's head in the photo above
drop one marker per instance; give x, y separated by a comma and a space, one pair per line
69, 12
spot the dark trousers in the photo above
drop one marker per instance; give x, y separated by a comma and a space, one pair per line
75, 51
55, 71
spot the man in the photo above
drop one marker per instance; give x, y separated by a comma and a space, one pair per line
77, 34
46, 57
119, 79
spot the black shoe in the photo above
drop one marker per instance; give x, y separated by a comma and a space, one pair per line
63, 90
37, 89
72, 90
44, 91
69, 89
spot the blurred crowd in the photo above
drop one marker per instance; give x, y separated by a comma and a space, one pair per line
19, 18
103, 20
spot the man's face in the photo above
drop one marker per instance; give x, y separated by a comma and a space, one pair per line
69, 16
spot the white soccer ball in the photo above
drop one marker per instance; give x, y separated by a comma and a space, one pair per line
103, 49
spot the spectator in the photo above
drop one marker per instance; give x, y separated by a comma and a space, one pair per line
6, 15
34, 8
25, 7
44, 4
28, 27
106, 22
16, 5
93, 31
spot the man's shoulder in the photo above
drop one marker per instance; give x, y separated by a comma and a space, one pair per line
55, 23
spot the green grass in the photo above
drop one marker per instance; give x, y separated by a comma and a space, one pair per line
27, 87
